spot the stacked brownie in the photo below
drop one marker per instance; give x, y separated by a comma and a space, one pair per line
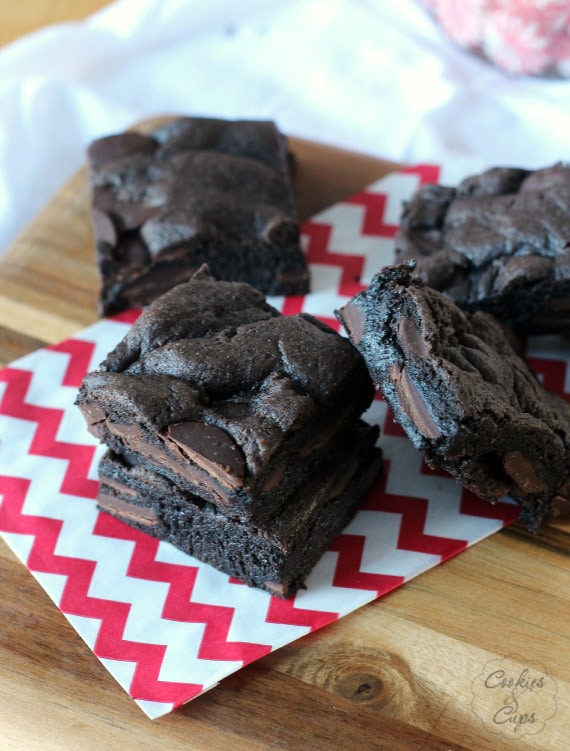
234, 432
196, 190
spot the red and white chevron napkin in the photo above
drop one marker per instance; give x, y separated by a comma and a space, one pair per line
166, 626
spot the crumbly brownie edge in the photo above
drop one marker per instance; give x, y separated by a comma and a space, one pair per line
462, 395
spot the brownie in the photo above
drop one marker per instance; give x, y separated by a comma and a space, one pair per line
499, 242
233, 409
195, 190
234, 431
277, 556
468, 402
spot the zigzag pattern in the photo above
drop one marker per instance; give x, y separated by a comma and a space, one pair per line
76, 600
368, 211
79, 457
180, 605
286, 611
80, 357
374, 205
318, 252
413, 511
167, 626
350, 549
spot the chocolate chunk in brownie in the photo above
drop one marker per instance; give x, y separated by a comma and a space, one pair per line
499, 242
276, 556
462, 394
225, 397
195, 190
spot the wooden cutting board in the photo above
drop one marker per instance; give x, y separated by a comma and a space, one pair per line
401, 673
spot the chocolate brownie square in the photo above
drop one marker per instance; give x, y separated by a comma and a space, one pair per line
226, 397
468, 402
276, 556
499, 242
195, 190
234, 431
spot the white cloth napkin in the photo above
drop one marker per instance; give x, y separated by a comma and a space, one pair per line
374, 76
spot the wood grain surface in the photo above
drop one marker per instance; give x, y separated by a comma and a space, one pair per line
397, 674
25, 16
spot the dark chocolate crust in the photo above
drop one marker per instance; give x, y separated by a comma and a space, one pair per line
195, 190
234, 403
499, 242
462, 394
277, 556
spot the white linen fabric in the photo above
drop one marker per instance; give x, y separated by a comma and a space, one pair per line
375, 76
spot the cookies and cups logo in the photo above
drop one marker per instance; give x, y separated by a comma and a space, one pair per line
514, 698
